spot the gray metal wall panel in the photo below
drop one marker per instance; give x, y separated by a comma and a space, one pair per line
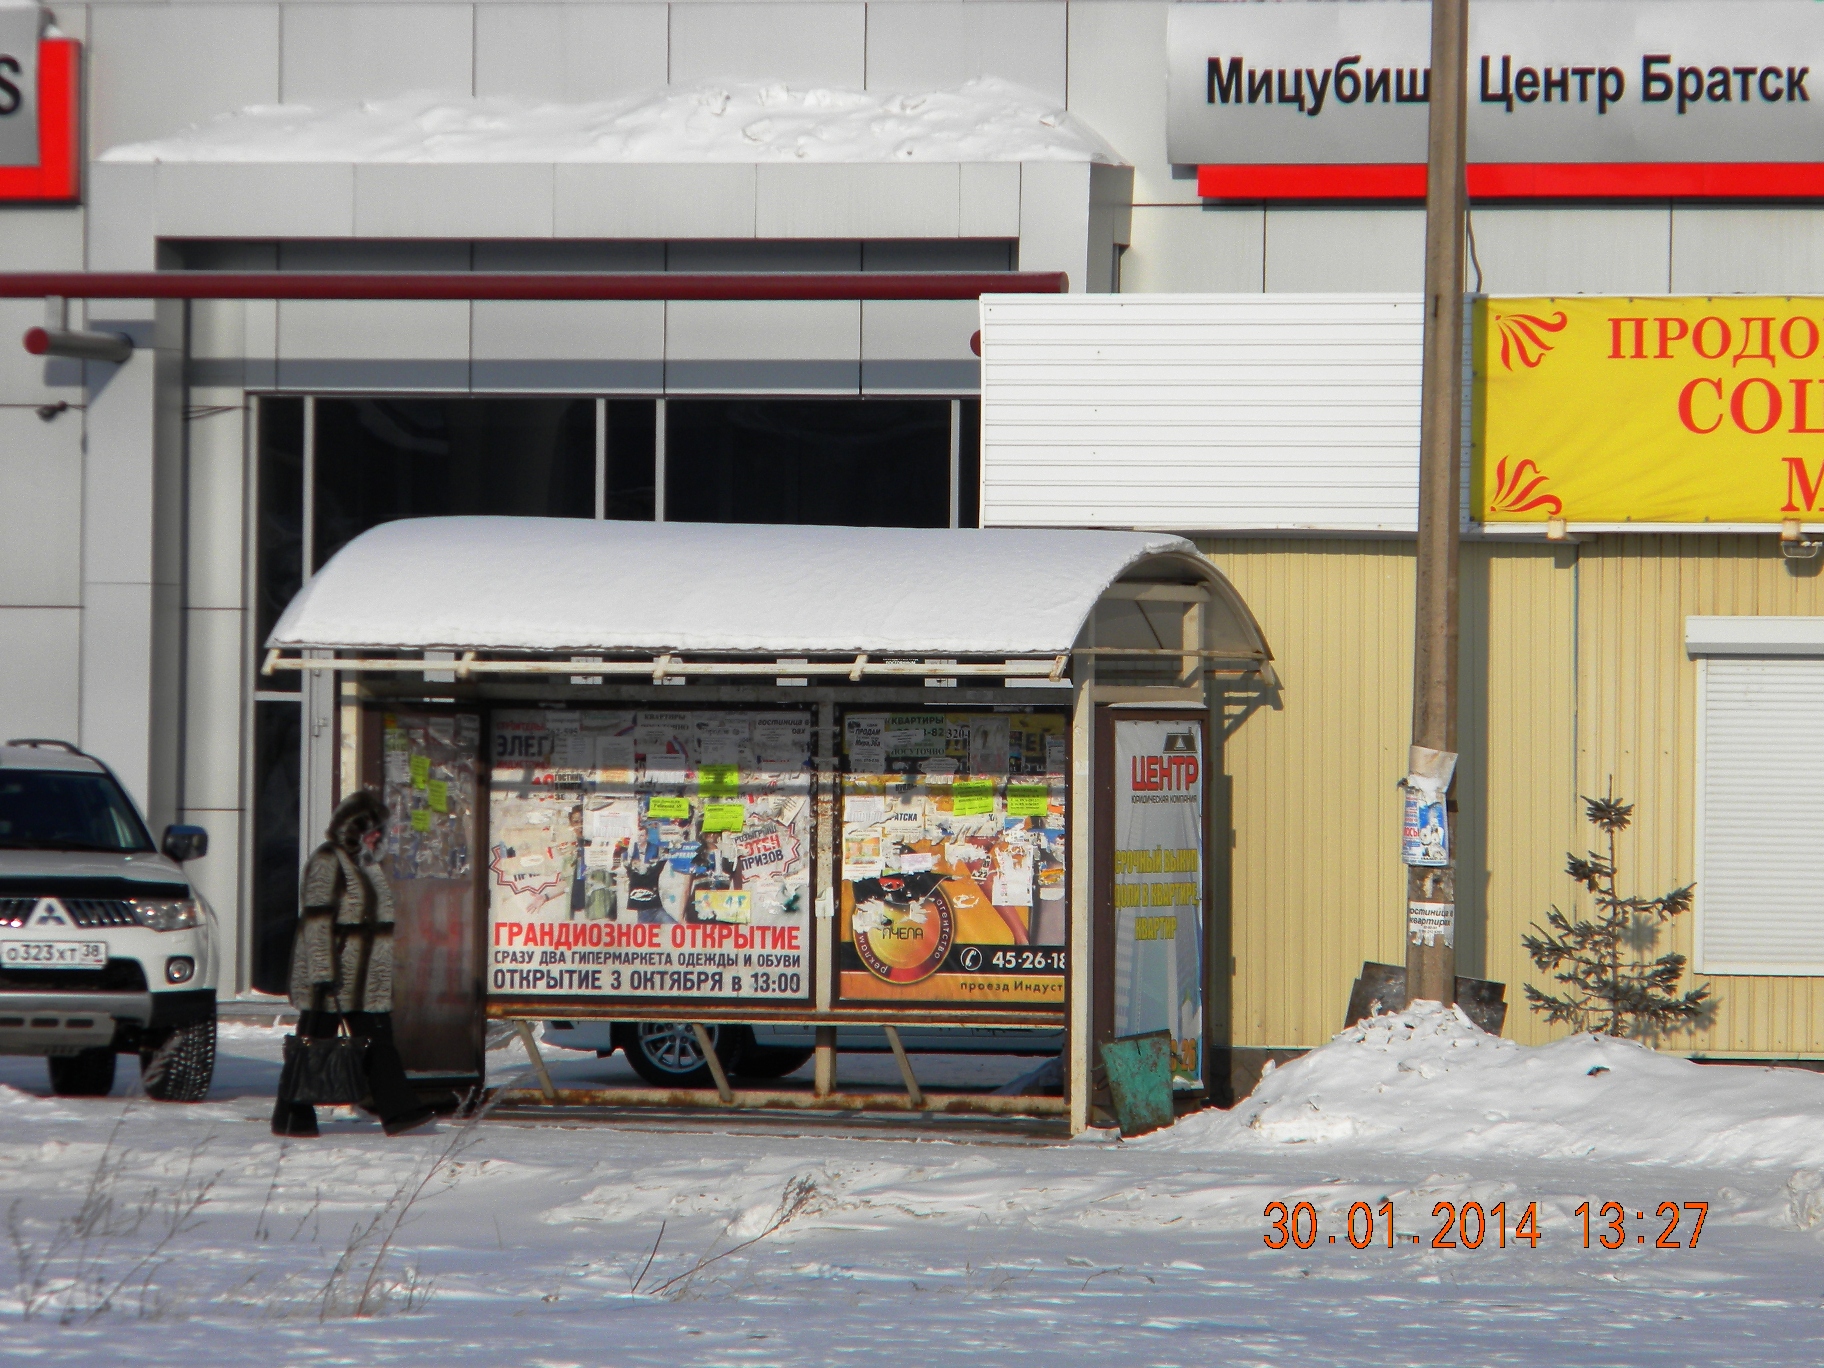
156, 69
41, 672
549, 346
40, 509
368, 345
935, 46
828, 200
569, 52
819, 44
1117, 87
1599, 249
1345, 249
1768, 249
219, 199
372, 51
1185, 248
740, 346
655, 201
474, 200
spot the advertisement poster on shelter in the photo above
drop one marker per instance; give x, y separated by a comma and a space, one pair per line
650, 854
1159, 887
953, 858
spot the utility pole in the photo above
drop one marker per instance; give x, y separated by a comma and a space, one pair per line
1431, 956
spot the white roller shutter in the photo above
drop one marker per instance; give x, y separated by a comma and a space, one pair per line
1760, 816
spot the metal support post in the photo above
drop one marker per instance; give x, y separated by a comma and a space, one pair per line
1431, 891
913, 1093
538, 1060
710, 1058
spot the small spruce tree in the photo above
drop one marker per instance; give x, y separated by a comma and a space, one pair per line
1604, 992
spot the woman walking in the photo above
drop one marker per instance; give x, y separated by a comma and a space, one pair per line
342, 968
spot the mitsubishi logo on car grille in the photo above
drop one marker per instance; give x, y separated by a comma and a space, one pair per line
49, 913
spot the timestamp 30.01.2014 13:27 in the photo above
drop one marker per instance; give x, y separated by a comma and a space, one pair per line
1471, 1226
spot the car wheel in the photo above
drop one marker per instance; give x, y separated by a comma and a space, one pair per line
666, 1053
180, 1067
88, 1074
773, 1061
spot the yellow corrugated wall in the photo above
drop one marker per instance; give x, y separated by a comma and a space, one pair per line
1573, 669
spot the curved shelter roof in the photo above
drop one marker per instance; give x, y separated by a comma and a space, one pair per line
562, 584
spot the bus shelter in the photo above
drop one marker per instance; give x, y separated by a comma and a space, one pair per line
702, 773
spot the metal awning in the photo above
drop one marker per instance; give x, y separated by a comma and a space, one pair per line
499, 595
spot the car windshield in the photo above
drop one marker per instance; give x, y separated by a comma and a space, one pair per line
67, 810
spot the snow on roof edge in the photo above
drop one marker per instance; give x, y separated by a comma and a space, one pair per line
555, 584
984, 120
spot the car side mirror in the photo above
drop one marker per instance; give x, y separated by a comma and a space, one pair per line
183, 843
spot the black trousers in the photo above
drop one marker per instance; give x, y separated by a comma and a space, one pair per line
393, 1098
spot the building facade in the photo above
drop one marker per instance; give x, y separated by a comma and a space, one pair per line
161, 513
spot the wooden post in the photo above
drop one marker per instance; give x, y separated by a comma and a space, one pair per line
913, 1092
1431, 969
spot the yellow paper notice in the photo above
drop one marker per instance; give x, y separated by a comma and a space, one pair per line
972, 797
1649, 410
437, 794
421, 771
421, 819
724, 816
718, 781
1028, 800
672, 809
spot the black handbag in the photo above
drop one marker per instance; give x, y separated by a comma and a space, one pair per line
327, 1071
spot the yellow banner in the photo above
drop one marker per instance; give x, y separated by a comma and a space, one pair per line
1656, 410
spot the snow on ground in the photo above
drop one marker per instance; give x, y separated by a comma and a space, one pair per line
984, 120
527, 1244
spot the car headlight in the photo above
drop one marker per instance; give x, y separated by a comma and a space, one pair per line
168, 914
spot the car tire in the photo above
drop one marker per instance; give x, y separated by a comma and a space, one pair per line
773, 1061
179, 1068
666, 1054
88, 1074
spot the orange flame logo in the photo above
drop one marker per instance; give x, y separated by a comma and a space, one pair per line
1517, 493
1520, 337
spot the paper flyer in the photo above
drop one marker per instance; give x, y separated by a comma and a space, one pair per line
428, 768
953, 874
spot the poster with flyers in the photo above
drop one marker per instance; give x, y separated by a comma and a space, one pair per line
953, 859
428, 779
650, 854
1159, 887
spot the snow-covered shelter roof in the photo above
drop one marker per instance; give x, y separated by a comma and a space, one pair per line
563, 584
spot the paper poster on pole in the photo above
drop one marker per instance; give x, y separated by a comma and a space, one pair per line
650, 854
953, 858
1158, 893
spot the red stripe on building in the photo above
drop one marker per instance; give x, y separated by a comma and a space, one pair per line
1521, 180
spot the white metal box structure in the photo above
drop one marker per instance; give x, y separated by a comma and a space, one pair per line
1195, 412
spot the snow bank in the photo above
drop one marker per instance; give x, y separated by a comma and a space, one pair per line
985, 120
1428, 1081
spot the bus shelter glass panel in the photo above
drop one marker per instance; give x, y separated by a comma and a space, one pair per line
650, 854
954, 858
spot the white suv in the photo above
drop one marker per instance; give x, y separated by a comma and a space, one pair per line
106, 948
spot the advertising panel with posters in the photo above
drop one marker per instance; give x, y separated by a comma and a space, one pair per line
953, 858
1670, 409
430, 774
1158, 893
650, 854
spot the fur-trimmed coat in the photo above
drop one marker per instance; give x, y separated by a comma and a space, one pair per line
344, 944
